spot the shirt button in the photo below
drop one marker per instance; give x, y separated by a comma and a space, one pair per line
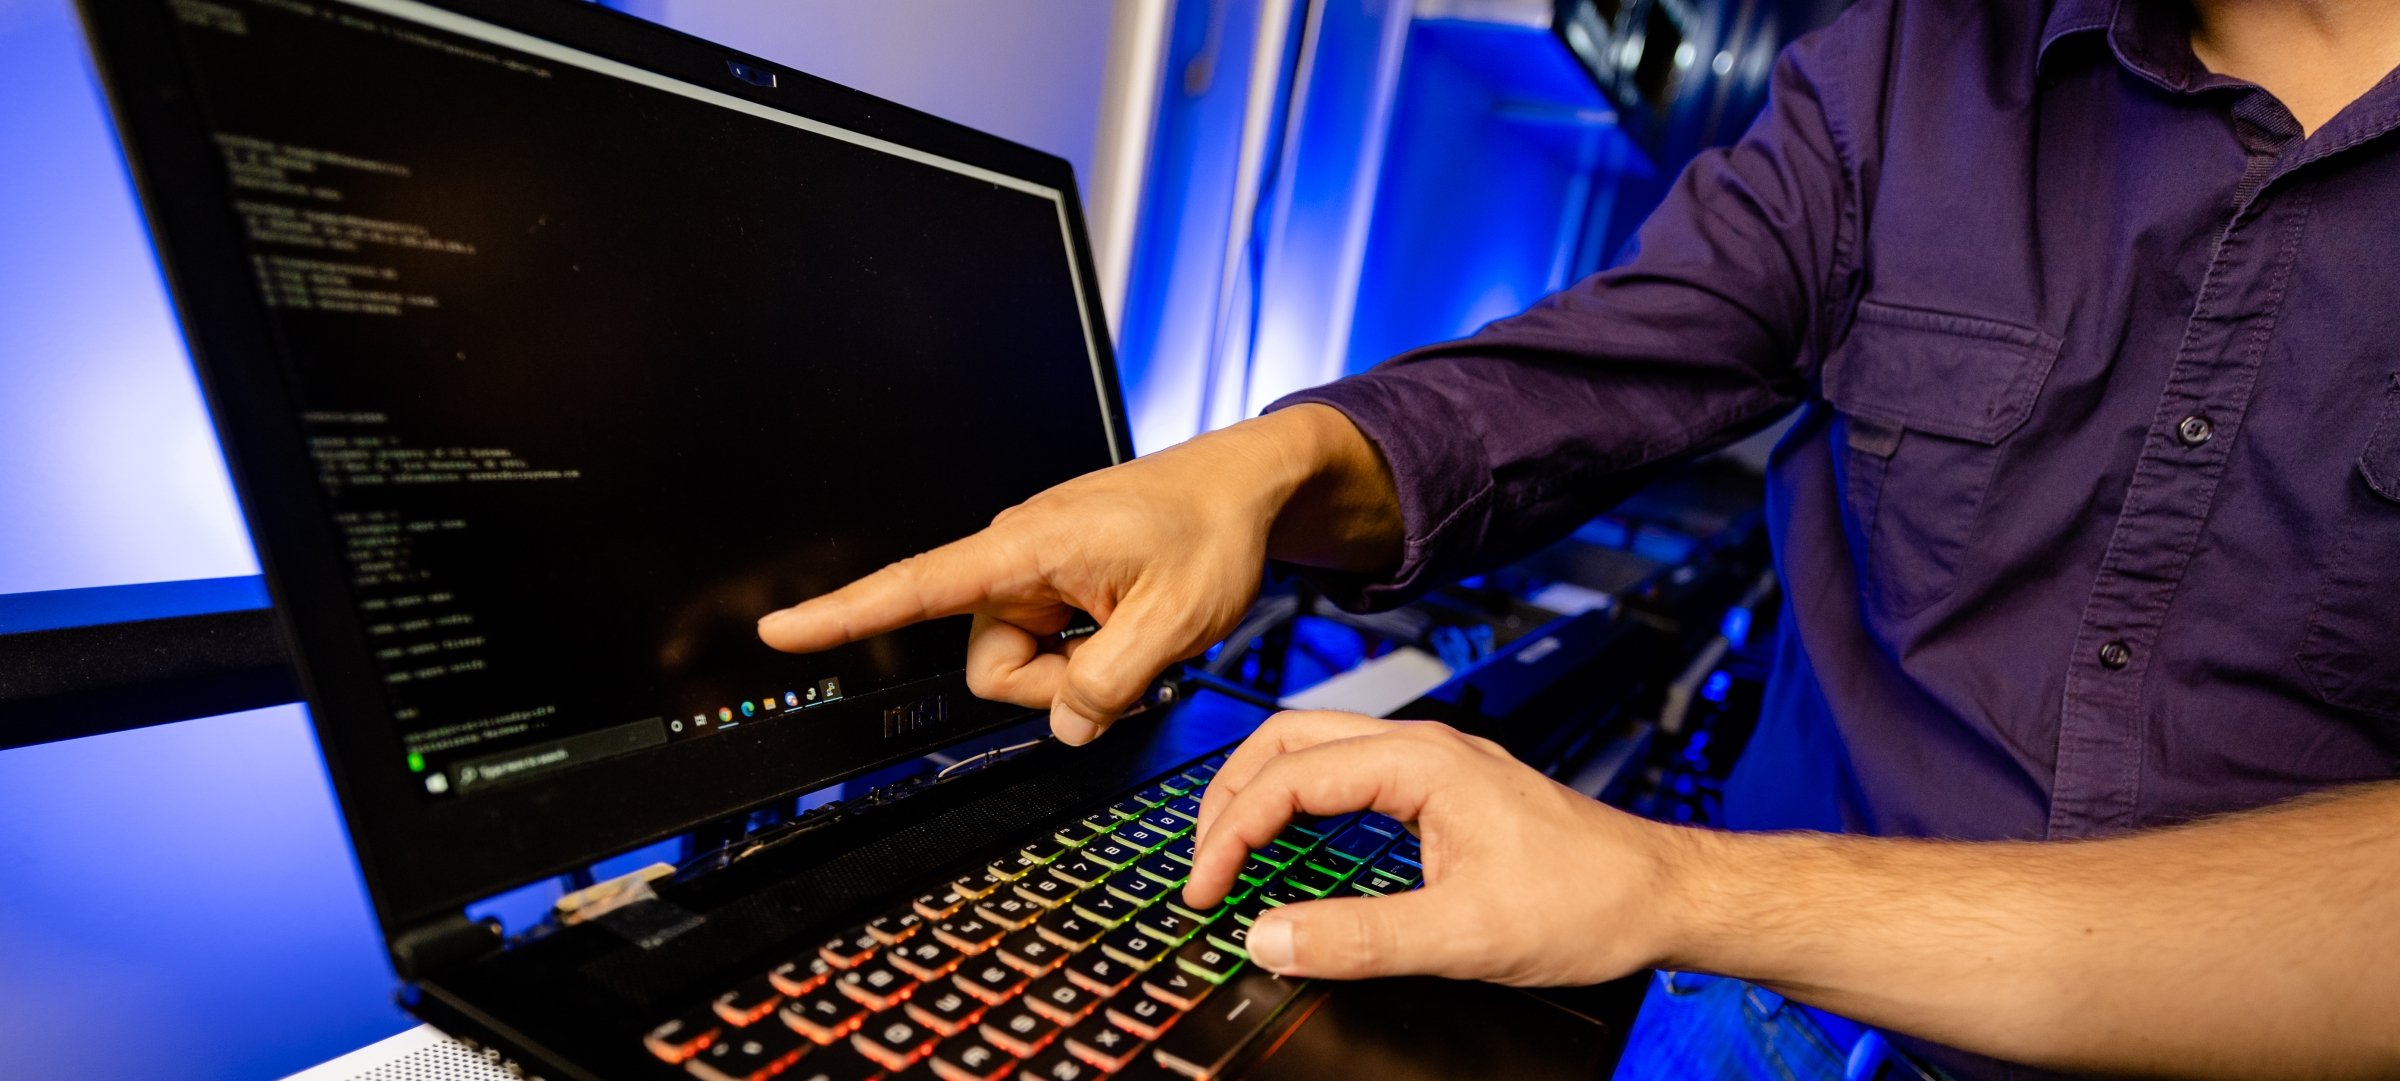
2116, 654
2195, 430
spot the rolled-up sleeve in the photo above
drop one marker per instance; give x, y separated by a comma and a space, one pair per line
1505, 440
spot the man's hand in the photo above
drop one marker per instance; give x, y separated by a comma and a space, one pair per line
1526, 881
1165, 552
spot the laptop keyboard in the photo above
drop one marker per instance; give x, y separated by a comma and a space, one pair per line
1068, 957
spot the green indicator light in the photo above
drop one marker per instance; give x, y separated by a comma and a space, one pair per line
416, 762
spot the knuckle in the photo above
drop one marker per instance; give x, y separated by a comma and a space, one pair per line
1374, 937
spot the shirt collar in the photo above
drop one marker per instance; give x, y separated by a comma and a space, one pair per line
2151, 38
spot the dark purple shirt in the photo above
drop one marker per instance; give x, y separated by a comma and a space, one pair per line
2091, 517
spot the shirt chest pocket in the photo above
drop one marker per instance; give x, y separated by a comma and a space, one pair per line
1925, 402
2351, 650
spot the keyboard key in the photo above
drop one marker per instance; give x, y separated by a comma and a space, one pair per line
1175, 986
1010, 912
1138, 1013
926, 958
753, 1000
894, 1040
1328, 863
1383, 824
1138, 888
1166, 822
1077, 832
970, 1058
1016, 1029
1013, 866
800, 975
1099, 972
1206, 1039
1284, 893
970, 934
1141, 838
1135, 947
684, 1036
1313, 826
977, 886
1247, 912
1164, 921
1128, 807
1060, 999
889, 930
939, 905
1357, 843
1407, 848
1207, 960
1165, 868
1058, 1064
1398, 868
1378, 884
875, 985
1153, 796
991, 980
1313, 879
1113, 852
1177, 785
748, 1056
1081, 871
1105, 909
1275, 856
1044, 850
946, 1010
1296, 839
1068, 929
824, 1015
1030, 952
1201, 917
850, 948
1102, 1044
1180, 850
1048, 890
1187, 807
1256, 870
1231, 936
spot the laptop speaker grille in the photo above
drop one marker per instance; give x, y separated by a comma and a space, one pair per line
445, 1060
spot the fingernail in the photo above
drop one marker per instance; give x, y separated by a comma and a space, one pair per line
1271, 942
772, 618
1072, 728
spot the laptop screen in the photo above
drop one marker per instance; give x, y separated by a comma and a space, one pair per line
595, 366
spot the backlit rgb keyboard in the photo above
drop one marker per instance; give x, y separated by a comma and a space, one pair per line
1068, 957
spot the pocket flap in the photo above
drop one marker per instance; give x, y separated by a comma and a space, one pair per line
2380, 464
1949, 375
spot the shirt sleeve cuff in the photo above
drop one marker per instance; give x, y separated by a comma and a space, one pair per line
1438, 468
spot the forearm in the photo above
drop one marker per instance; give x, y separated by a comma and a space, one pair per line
2256, 945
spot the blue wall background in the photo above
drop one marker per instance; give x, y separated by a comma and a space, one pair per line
112, 475
181, 901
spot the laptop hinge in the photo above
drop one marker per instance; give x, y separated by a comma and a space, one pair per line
421, 951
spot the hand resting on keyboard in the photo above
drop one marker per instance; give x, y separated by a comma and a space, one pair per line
1527, 882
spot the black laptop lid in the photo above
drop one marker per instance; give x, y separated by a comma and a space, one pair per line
550, 350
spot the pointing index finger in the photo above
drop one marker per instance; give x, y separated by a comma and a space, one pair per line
947, 581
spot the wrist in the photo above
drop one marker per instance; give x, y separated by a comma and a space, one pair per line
1698, 884
1338, 506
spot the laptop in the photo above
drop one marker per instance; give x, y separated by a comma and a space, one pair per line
549, 349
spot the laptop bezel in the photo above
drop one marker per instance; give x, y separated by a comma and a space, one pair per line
424, 860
